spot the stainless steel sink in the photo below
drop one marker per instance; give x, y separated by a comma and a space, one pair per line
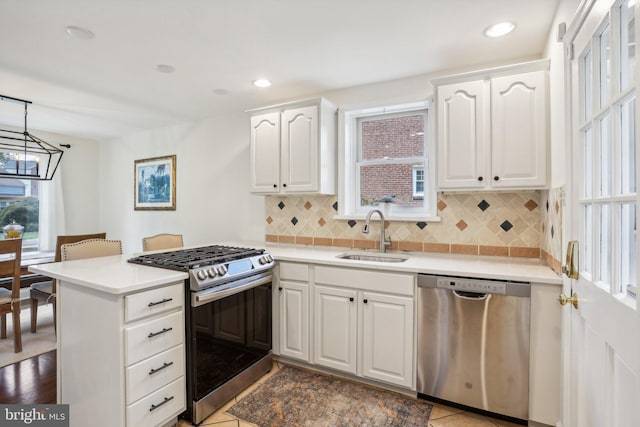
374, 257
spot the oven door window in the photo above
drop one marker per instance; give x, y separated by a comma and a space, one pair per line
231, 334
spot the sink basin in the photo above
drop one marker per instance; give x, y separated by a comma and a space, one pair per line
372, 256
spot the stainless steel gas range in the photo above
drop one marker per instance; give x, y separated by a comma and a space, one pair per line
227, 318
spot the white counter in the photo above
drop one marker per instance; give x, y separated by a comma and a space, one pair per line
111, 274
503, 268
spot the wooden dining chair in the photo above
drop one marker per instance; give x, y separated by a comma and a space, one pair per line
91, 248
162, 241
10, 255
46, 291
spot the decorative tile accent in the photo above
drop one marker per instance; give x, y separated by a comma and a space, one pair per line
483, 205
315, 216
506, 226
552, 232
461, 225
557, 205
531, 205
269, 220
494, 250
286, 239
294, 220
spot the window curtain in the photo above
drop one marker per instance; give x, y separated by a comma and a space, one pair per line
52, 215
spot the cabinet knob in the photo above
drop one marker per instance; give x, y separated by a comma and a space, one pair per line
275, 185
480, 178
284, 185
351, 299
496, 178
280, 288
365, 301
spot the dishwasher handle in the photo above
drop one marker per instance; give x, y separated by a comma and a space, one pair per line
472, 296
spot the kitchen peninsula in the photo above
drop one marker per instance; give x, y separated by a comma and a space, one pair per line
106, 308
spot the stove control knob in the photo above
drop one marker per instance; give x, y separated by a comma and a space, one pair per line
222, 270
262, 260
269, 258
212, 272
201, 275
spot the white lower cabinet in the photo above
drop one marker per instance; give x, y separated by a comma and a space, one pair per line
359, 322
335, 328
387, 338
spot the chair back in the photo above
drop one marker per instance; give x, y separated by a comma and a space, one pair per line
162, 241
91, 248
10, 255
63, 240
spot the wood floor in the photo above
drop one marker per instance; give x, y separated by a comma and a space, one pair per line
29, 381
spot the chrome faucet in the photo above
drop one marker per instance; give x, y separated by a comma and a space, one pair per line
383, 242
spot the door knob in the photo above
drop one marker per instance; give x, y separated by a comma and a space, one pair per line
571, 267
565, 299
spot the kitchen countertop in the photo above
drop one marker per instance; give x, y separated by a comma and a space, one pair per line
110, 274
478, 266
114, 275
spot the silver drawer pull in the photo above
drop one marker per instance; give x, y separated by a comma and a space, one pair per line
155, 334
164, 365
151, 304
154, 407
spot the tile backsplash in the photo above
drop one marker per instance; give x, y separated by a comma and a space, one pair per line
552, 201
484, 223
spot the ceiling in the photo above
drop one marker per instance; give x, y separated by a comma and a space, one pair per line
108, 86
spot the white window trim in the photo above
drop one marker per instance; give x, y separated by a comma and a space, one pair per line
348, 155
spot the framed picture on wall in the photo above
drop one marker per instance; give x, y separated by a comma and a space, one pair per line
155, 184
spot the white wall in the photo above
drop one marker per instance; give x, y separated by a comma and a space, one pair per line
555, 51
213, 202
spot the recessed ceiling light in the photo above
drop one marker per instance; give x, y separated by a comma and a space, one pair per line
262, 83
80, 33
500, 29
164, 68
221, 91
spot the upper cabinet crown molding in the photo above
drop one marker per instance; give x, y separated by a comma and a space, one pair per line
492, 128
293, 148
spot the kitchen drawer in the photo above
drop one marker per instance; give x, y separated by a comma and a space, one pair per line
294, 271
366, 280
143, 414
153, 337
152, 373
152, 302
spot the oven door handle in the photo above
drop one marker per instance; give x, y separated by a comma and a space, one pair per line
213, 294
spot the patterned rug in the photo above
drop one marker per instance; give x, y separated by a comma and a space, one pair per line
293, 397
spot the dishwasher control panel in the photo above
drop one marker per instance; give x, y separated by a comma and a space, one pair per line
472, 285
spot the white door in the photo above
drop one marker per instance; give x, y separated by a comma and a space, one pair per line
387, 338
265, 153
602, 360
463, 135
519, 130
335, 328
300, 148
294, 320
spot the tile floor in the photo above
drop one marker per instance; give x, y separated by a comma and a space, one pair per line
441, 416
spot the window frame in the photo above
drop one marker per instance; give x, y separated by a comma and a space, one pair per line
348, 168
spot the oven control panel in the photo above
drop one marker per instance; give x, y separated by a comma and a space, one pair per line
218, 274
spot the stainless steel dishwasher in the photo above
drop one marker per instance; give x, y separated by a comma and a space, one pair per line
473, 343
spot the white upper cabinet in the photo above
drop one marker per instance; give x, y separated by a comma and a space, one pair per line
492, 128
293, 148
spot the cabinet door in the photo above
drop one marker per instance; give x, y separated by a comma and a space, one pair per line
388, 338
265, 153
294, 320
519, 130
463, 140
335, 328
300, 150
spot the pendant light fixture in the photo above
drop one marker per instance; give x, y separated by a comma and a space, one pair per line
25, 156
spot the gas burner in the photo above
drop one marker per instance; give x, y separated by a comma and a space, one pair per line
188, 259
